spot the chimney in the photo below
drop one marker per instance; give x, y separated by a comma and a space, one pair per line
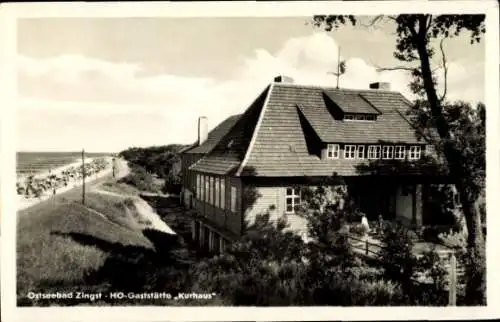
381, 85
283, 79
202, 129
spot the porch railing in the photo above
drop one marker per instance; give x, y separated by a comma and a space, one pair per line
455, 271
363, 246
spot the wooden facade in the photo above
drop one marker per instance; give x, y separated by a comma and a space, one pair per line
281, 141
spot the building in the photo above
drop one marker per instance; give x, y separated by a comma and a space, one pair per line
294, 136
205, 143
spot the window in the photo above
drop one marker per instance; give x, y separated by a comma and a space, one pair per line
415, 151
223, 193
217, 193
292, 199
359, 117
333, 151
207, 189
399, 152
387, 152
198, 186
233, 198
374, 152
202, 188
212, 191
349, 151
361, 151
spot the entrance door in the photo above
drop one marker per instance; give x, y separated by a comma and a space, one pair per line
375, 198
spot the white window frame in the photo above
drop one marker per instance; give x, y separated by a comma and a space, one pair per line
202, 188
335, 151
415, 152
374, 152
234, 195
207, 189
217, 192
293, 195
399, 152
223, 193
387, 152
360, 153
359, 117
211, 190
198, 184
350, 151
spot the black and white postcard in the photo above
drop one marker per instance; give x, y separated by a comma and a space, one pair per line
249, 160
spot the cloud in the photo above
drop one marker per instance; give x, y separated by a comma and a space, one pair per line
311, 59
168, 105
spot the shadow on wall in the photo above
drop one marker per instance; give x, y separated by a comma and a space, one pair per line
249, 197
426, 165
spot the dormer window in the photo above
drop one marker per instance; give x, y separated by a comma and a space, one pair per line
360, 117
350, 106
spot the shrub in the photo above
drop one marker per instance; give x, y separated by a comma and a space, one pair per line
397, 258
431, 293
453, 239
431, 233
340, 288
140, 178
358, 230
172, 184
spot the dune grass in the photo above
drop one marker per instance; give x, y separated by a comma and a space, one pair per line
116, 186
49, 256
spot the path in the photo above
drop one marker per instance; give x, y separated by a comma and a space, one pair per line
24, 203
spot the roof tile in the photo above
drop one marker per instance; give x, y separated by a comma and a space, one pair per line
280, 147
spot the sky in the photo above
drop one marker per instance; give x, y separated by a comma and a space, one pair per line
106, 84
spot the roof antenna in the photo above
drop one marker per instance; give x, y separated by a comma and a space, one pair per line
340, 68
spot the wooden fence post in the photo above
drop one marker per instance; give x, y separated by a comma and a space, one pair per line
366, 247
452, 299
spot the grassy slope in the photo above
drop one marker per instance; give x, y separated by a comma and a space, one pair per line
60, 241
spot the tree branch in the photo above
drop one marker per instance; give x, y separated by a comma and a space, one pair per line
384, 69
429, 23
445, 70
373, 21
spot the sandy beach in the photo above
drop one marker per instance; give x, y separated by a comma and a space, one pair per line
58, 170
24, 202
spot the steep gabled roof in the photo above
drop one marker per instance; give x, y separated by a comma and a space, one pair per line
229, 152
270, 141
214, 136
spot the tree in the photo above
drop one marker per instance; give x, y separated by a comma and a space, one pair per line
415, 39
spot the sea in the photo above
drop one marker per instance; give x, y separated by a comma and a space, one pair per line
36, 162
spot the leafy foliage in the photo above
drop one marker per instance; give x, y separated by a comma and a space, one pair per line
140, 178
162, 161
159, 160
416, 36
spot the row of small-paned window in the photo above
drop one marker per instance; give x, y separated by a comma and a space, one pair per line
398, 152
359, 117
212, 191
